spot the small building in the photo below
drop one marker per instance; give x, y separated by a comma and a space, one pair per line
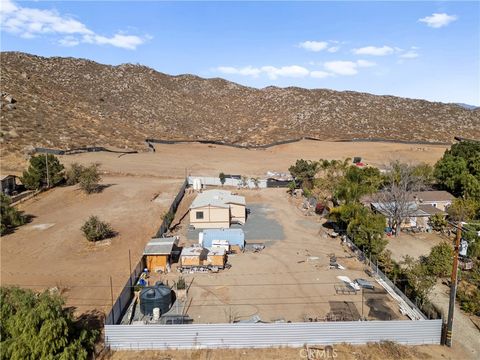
193, 256
211, 237
8, 184
216, 257
217, 209
198, 256
158, 253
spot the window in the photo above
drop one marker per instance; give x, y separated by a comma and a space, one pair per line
199, 215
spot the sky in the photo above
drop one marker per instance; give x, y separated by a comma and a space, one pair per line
428, 50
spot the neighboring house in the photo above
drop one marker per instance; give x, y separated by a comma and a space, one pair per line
438, 199
217, 209
8, 184
159, 253
421, 206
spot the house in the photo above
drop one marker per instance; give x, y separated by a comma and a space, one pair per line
217, 209
159, 253
438, 199
8, 184
235, 238
420, 207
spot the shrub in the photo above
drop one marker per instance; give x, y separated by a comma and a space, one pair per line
439, 261
89, 179
96, 230
73, 173
181, 283
10, 217
438, 222
37, 326
222, 178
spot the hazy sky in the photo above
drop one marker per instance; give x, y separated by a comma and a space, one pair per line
427, 50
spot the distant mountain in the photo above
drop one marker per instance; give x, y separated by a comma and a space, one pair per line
67, 102
466, 106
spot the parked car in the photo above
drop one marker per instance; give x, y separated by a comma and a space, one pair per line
365, 284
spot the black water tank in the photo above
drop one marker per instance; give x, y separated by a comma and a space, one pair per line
158, 296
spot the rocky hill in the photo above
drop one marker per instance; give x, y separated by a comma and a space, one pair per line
67, 102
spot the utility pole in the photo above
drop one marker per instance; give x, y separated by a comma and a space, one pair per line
46, 164
453, 286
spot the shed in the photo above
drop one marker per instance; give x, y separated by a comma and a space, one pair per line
193, 256
8, 184
216, 257
234, 237
158, 253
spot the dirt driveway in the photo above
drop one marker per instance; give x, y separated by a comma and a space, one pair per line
51, 250
413, 245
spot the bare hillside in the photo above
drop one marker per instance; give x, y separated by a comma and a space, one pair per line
67, 102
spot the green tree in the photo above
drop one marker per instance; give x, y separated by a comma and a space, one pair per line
222, 178
458, 171
419, 279
356, 183
463, 209
37, 326
96, 230
35, 176
438, 222
89, 179
304, 171
439, 261
367, 231
10, 217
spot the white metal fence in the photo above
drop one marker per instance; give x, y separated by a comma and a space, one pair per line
215, 181
214, 336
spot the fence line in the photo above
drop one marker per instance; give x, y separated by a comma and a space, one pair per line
215, 336
215, 181
123, 300
361, 256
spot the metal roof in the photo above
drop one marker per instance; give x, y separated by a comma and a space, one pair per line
217, 198
193, 251
160, 246
214, 251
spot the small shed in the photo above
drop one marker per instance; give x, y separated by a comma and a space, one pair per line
234, 237
8, 184
158, 253
193, 256
216, 257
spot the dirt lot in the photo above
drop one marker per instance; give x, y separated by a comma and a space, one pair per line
202, 159
51, 250
413, 245
288, 280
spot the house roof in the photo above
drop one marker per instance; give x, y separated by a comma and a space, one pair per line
432, 196
216, 251
217, 198
430, 210
160, 246
3, 177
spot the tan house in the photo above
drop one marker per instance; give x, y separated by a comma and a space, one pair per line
421, 206
158, 253
438, 199
215, 209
